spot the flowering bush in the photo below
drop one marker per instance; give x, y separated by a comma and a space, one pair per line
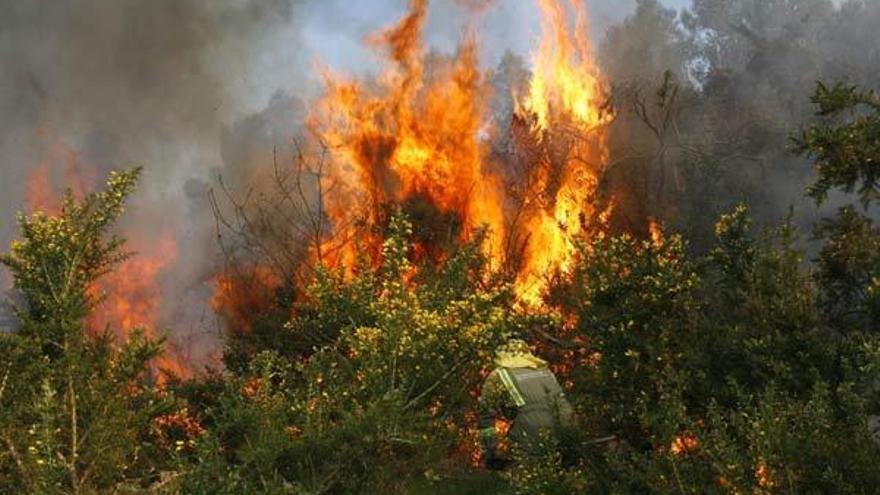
386, 393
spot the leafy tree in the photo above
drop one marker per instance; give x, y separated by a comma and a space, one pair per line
849, 272
846, 144
73, 403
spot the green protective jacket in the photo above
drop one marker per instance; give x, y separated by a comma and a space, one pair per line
523, 391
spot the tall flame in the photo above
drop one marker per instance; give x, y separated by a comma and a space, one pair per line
131, 298
417, 133
566, 81
411, 135
567, 115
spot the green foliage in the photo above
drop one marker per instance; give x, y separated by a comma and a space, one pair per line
634, 301
60, 256
74, 405
846, 146
716, 375
547, 475
772, 329
849, 272
383, 395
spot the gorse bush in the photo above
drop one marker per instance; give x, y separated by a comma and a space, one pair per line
385, 396
718, 375
75, 405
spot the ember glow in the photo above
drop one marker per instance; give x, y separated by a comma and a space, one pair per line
130, 296
416, 133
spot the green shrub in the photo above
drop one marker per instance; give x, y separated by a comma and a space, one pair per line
75, 405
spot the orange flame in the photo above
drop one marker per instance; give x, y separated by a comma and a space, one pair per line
685, 443
566, 80
130, 296
655, 230
411, 135
131, 293
416, 133
567, 112
240, 296
42, 193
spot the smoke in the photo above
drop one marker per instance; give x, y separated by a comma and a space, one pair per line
745, 70
334, 29
128, 82
194, 90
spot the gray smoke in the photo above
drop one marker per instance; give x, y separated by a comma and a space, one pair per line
745, 70
335, 29
195, 89
149, 83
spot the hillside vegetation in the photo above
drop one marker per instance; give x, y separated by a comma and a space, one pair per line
745, 369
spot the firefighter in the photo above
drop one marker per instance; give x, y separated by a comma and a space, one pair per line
524, 393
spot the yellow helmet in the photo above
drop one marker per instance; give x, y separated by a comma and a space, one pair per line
513, 347
515, 353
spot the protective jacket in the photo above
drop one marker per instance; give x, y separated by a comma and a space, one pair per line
523, 392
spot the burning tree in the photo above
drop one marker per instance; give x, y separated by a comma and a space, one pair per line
414, 138
559, 130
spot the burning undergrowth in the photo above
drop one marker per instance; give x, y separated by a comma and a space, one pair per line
417, 135
416, 138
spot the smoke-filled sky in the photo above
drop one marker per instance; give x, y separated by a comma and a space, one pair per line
188, 88
333, 29
156, 83
160, 83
